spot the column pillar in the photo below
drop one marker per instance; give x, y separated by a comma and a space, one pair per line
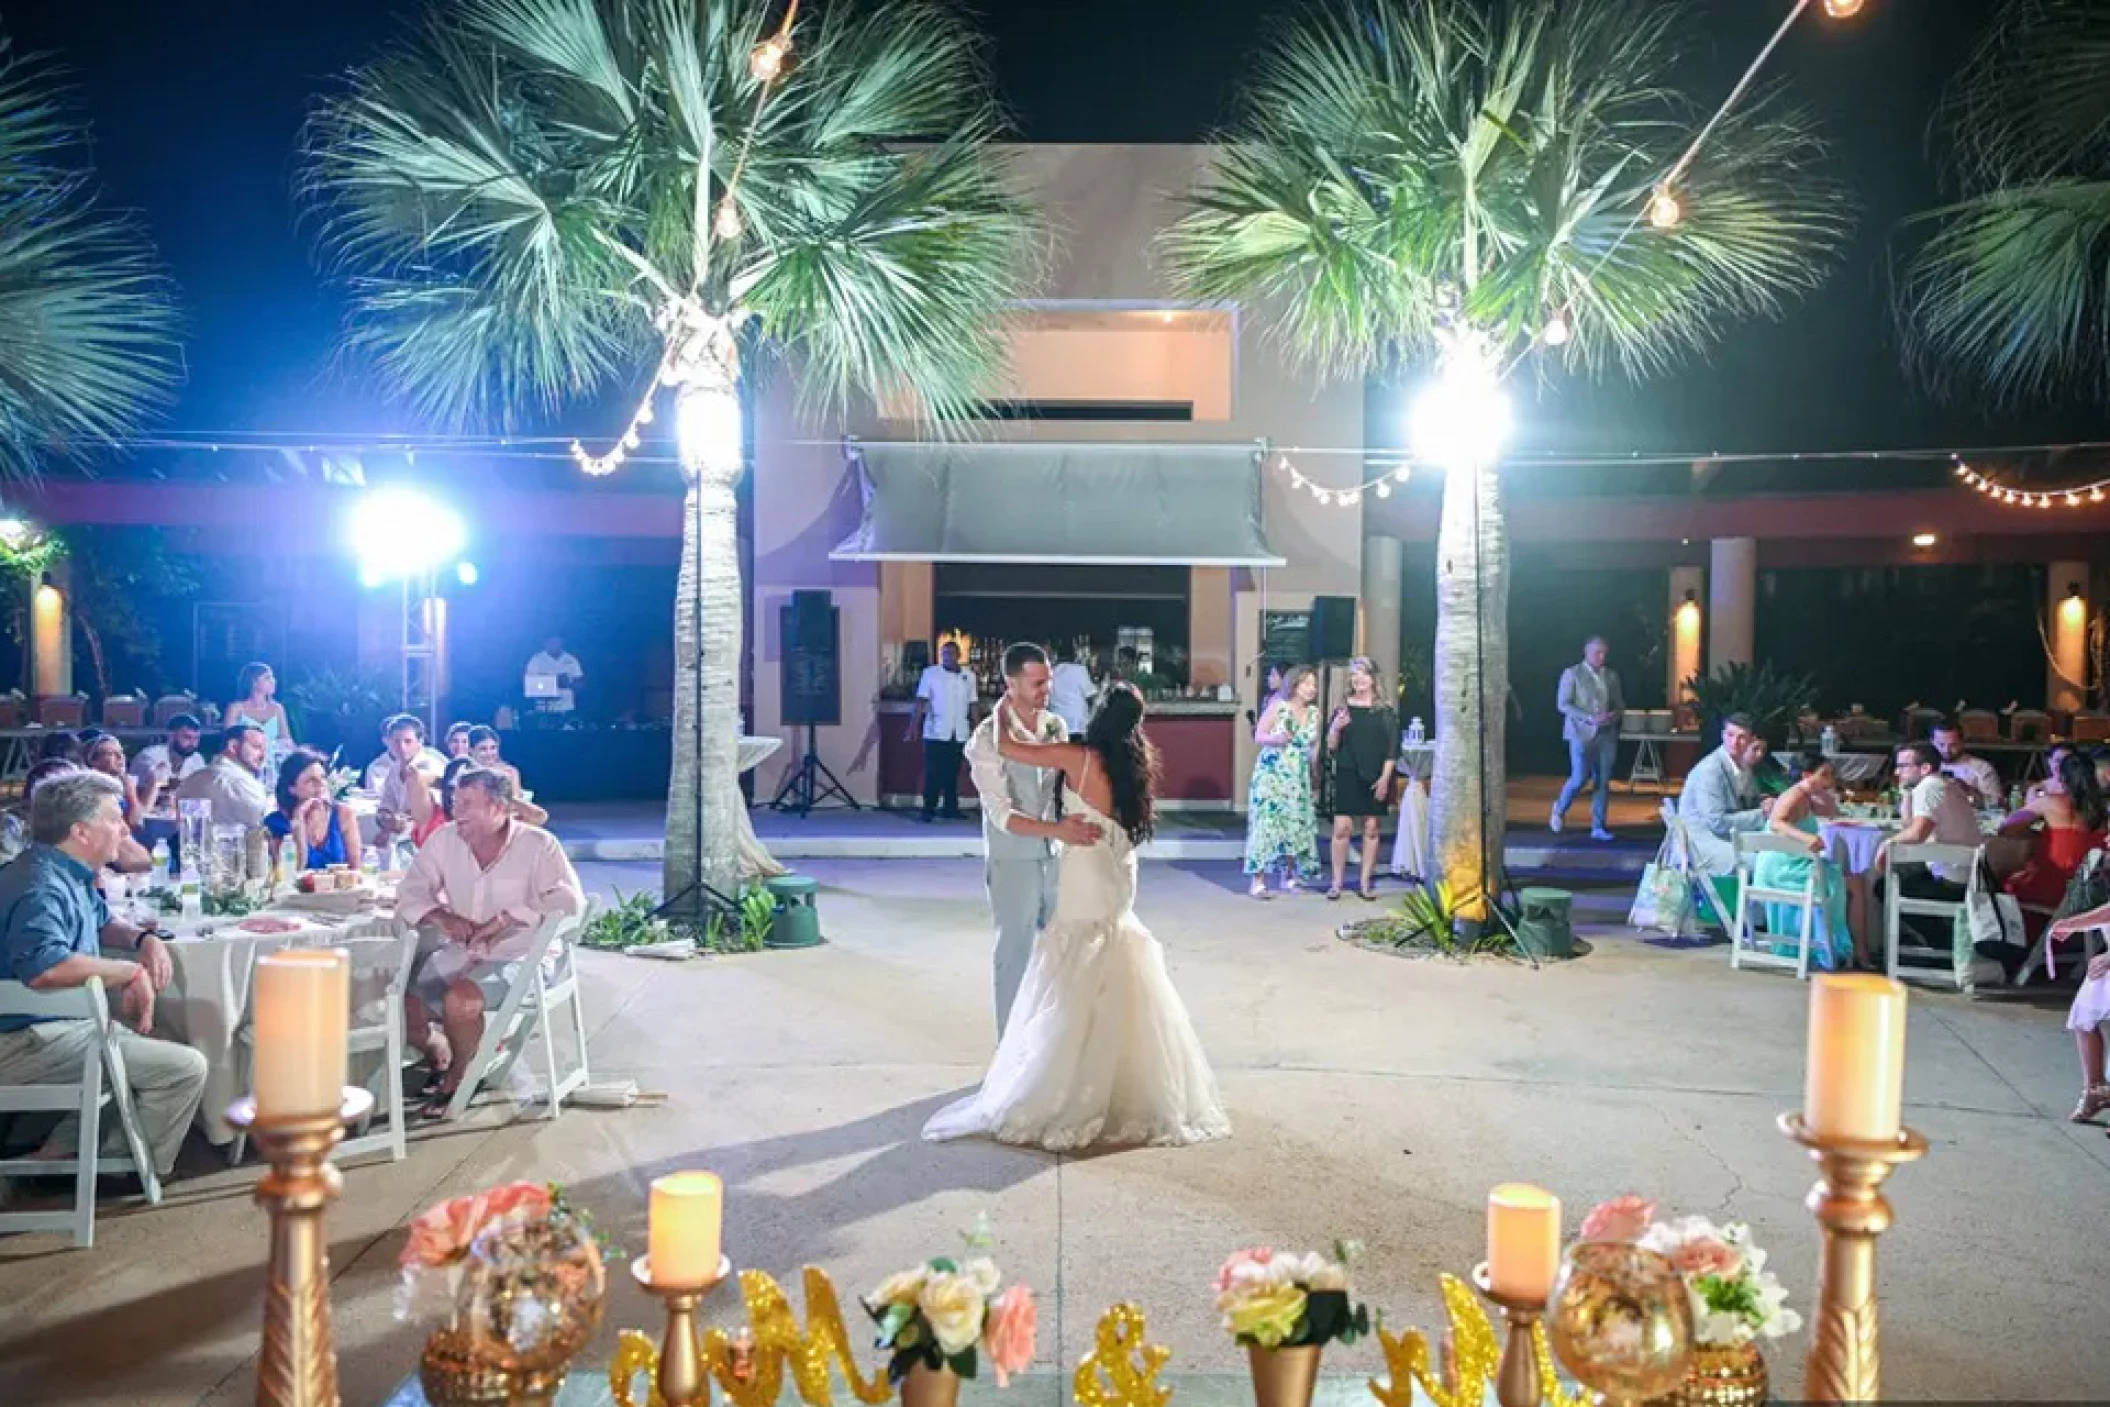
1732, 601
51, 634
2067, 674
1688, 587
1209, 627
1380, 612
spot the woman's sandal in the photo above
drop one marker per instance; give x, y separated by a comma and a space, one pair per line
1368, 896
2094, 1100
434, 1108
1333, 894
1258, 890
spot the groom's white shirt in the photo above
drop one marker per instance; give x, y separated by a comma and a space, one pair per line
1007, 788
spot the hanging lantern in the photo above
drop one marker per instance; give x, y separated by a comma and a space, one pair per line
1663, 209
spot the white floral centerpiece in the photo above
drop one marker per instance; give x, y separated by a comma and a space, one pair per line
1270, 1299
1735, 1299
944, 1313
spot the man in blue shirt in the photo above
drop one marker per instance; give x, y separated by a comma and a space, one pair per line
53, 925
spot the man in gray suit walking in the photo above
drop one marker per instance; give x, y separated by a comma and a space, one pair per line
1590, 702
1020, 820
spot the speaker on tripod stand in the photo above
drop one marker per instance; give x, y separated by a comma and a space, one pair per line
812, 693
1332, 643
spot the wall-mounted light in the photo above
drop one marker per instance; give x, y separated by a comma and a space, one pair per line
1924, 539
1692, 598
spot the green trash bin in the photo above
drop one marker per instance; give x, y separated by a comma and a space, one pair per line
1544, 929
797, 923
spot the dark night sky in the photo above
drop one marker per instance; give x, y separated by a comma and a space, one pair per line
197, 103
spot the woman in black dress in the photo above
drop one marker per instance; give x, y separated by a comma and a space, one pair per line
1363, 741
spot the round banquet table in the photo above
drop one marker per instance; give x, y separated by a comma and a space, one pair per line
1410, 847
1852, 845
206, 1004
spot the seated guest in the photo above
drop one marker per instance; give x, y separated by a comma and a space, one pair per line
14, 822
2062, 827
483, 747
477, 890
457, 744
53, 928
1936, 811
1769, 777
1976, 773
1720, 800
230, 782
1839, 932
408, 807
2054, 762
64, 745
106, 754
256, 704
327, 831
170, 763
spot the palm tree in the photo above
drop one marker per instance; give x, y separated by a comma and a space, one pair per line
544, 198
87, 328
1468, 177
2010, 290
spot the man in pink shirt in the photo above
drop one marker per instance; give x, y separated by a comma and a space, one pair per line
478, 889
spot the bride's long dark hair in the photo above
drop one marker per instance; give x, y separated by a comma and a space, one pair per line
1115, 734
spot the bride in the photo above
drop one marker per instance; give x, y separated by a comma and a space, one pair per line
1099, 1049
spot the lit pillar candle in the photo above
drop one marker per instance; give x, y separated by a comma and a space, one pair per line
1855, 1084
302, 1006
688, 1212
1523, 1241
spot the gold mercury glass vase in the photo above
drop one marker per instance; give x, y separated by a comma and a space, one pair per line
532, 1299
1721, 1375
930, 1387
1284, 1377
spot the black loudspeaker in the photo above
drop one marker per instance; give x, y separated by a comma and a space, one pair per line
1332, 628
812, 620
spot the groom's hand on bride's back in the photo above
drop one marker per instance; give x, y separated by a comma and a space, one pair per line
1076, 830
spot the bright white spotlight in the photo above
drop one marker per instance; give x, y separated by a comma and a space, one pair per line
1461, 419
466, 573
707, 429
399, 534
13, 532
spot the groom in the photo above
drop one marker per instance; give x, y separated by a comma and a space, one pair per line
1020, 819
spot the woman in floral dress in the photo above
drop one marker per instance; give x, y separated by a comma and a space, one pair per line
1281, 824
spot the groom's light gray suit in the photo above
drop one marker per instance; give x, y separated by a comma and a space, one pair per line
1020, 869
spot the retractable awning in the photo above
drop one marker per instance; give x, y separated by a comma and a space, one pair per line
1089, 504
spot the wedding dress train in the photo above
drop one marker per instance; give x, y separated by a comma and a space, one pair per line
1099, 1049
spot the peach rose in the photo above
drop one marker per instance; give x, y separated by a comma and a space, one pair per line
1705, 1257
1009, 1333
441, 1235
1258, 1257
1623, 1219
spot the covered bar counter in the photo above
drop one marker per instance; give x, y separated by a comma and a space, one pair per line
1196, 739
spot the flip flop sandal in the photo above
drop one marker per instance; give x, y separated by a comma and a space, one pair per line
1332, 895
434, 1109
1368, 896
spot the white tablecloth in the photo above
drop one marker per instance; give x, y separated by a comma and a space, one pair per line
1855, 768
207, 1001
1410, 848
1852, 845
1417, 760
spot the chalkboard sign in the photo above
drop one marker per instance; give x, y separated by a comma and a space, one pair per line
812, 678
1285, 638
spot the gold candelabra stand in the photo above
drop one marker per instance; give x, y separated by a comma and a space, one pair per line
1845, 1362
681, 1379
298, 1365
1517, 1381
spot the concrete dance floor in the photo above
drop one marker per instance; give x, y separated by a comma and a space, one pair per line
1373, 1097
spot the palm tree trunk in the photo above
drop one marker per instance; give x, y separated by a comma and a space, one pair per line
707, 633
1472, 686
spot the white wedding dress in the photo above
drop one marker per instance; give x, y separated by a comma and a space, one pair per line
1099, 1049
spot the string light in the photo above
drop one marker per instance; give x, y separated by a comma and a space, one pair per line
1663, 209
1842, 9
726, 224
2072, 496
766, 60
1557, 330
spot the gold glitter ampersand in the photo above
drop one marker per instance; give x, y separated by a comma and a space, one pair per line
1471, 1352
1122, 1368
749, 1366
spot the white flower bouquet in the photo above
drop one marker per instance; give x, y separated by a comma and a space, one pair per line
1273, 1300
1735, 1299
945, 1313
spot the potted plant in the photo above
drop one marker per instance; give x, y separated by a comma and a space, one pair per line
1283, 1309
1736, 1301
936, 1320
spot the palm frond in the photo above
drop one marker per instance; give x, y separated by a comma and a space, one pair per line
1395, 158
87, 324
2008, 289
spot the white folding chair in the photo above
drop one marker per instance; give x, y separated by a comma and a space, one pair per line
546, 978
1698, 893
102, 1078
1958, 911
1743, 951
380, 976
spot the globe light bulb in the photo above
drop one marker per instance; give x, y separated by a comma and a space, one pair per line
1663, 209
1842, 9
1557, 330
766, 60
727, 225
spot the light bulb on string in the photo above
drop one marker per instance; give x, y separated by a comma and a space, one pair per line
1353, 496
1557, 330
1384, 490
1323, 496
1842, 9
2095, 495
727, 225
2073, 500
766, 60
1399, 475
1663, 209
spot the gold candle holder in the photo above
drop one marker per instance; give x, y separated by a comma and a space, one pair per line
1517, 1382
682, 1381
1845, 1362
298, 1366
